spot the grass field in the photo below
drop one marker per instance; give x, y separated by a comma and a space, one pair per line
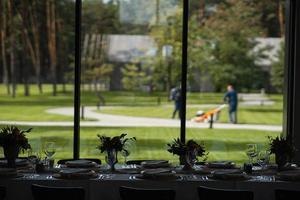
34, 108
222, 144
151, 142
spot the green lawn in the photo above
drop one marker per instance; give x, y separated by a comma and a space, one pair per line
222, 144
151, 142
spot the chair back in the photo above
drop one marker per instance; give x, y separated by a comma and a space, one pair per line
63, 161
206, 193
281, 194
2, 192
128, 193
40, 192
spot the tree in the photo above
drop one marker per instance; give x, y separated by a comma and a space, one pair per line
12, 45
277, 74
230, 42
3, 36
31, 35
133, 77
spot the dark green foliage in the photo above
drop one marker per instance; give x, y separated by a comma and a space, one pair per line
110, 143
277, 77
13, 136
180, 149
281, 146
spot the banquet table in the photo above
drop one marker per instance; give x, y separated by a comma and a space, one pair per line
106, 186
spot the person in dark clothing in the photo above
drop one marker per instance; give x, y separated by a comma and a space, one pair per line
231, 98
175, 95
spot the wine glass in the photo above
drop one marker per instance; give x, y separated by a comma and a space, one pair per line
33, 158
263, 159
251, 152
129, 145
49, 149
125, 154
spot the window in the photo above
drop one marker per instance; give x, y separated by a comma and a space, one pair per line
37, 70
238, 43
131, 58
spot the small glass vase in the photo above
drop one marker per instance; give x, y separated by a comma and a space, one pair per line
281, 160
11, 153
112, 159
188, 161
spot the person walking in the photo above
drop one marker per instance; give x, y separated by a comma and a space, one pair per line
175, 95
231, 98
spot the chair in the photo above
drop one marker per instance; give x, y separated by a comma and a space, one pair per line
63, 161
286, 194
206, 193
128, 193
2, 192
40, 192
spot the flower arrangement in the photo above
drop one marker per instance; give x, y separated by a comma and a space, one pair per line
283, 150
13, 140
179, 148
13, 136
187, 152
115, 143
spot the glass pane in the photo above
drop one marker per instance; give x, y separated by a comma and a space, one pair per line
131, 58
237, 43
36, 71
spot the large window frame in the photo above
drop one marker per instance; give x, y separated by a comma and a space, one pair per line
291, 115
291, 126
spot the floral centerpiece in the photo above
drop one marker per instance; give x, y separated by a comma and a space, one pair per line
113, 145
187, 152
282, 148
13, 140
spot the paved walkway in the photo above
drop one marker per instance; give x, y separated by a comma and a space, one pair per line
109, 120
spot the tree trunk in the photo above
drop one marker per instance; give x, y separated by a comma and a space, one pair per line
36, 42
201, 13
281, 17
24, 74
3, 26
12, 47
51, 26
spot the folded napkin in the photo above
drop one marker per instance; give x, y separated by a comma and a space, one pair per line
222, 164
74, 171
80, 163
155, 163
157, 171
158, 174
76, 174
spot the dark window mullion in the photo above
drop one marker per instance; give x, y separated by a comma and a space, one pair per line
184, 67
76, 137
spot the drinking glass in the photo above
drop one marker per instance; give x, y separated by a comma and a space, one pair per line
33, 158
251, 152
49, 149
125, 154
129, 145
263, 159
